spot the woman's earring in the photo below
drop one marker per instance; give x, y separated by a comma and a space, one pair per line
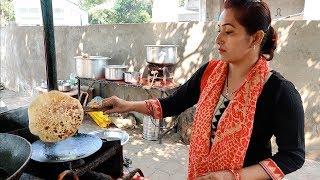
254, 47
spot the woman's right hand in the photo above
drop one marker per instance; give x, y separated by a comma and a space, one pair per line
115, 105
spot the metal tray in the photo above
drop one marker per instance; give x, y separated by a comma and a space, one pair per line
72, 148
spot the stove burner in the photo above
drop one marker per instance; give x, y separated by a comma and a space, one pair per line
159, 75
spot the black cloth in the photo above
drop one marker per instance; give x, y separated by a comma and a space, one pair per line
279, 112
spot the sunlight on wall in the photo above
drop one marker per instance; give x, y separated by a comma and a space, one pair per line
311, 63
26, 44
309, 140
117, 39
195, 33
283, 36
83, 35
305, 96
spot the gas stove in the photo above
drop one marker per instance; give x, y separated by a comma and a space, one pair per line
159, 75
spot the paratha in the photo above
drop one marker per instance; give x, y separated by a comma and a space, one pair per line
54, 116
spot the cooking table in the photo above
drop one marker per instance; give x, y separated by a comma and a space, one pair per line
164, 91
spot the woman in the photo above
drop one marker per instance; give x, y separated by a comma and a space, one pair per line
240, 101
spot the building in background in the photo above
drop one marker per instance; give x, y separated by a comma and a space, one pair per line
65, 13
169, 11
311, 10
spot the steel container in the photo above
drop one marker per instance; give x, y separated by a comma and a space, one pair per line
115, 72
150, 128
132, 77
91, 66
162, 54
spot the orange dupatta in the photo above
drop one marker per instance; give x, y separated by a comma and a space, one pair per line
227, 152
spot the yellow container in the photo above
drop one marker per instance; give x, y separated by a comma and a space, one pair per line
101, 119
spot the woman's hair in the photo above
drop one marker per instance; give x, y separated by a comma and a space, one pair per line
254, 15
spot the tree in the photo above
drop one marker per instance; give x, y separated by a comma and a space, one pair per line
124, 11
181, 3
102, 17
6, 12
132, 11
88, 4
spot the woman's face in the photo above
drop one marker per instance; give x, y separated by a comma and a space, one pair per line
233, 42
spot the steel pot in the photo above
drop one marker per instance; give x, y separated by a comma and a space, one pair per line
162, 54
115, 72
15, 152
91, 66
132, 77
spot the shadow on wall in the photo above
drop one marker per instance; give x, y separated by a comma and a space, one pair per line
125, 44
297, 58
21, 56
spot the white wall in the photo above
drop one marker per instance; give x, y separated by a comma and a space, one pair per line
311, 10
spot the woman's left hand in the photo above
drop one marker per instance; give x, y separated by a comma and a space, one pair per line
218, 175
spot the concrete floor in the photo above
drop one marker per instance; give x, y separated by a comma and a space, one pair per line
169, 160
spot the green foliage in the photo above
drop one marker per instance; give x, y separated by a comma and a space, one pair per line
88, 4
124, 11
181, 3
102, 17
6, 12
132, 11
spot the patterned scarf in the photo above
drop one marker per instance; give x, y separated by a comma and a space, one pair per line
227, 152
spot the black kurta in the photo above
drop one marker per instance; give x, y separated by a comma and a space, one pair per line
279, 112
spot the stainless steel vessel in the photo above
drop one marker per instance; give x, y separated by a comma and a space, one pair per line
132, 77
115, 72
91, 66
162, 54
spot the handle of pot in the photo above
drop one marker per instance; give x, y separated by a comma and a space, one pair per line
83, 98
68, 174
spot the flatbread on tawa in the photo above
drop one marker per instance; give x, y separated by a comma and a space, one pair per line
54, 116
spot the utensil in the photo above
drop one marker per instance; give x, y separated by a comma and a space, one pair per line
115, 72
15, 153
43, 85
113, 135
162, 54
150, 128
131, 77
83, 98
73, 148
64, 86
91, 66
